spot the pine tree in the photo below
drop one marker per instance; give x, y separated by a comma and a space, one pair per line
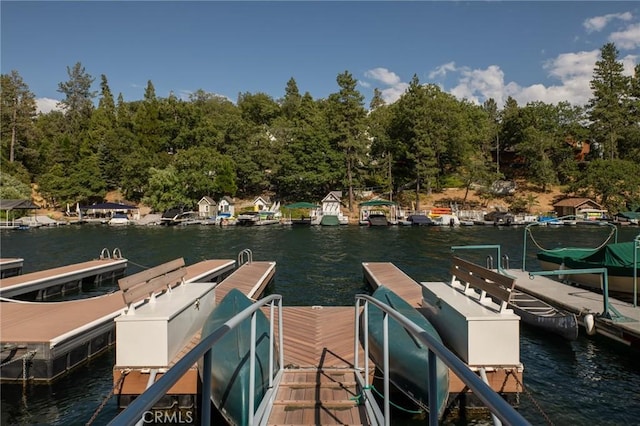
348, 124
607, 108
18, 109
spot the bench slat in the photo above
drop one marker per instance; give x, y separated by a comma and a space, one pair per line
144, 276
162, 282
491, 282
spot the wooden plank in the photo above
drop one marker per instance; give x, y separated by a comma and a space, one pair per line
491, 282
144, 276
159, 283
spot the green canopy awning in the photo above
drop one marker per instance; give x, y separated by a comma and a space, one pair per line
301, 205
374, 203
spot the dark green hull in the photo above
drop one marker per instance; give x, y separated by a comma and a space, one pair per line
408, 359
230, 363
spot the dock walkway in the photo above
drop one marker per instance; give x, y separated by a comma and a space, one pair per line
58, 336
582, 302
52, 282
10, 267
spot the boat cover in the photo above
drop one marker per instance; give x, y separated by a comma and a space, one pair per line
616, 257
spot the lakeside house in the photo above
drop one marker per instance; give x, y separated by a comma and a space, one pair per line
226, 207
207, 207
582, 208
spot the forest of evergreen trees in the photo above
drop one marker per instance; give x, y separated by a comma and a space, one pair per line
167, 152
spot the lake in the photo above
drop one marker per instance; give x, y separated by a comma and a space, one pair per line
588, 381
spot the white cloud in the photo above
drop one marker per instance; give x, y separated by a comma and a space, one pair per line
442, 70
392, 94
628, 38
478, 83
46, 105
387, 78
383, 75
598, 23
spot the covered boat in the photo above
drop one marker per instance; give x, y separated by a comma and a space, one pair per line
300, 208
618, 258
408, 358
230, 359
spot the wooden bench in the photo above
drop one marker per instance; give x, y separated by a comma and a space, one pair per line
481, 330
467, 277
148, 283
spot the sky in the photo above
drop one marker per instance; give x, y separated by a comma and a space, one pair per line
532, 51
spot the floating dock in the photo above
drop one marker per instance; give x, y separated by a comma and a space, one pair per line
43, 285
506, 380
40, 341
252, 279
622, 323
10, 267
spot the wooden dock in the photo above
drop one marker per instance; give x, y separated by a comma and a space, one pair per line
42, 285
250, 278
51, 338
10, 267
581, 301
318, 384
386, 274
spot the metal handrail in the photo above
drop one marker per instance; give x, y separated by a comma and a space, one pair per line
245, 256
607, 308
492, 400
136, 410
636, 248
527, 228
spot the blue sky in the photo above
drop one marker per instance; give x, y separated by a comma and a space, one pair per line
532, 51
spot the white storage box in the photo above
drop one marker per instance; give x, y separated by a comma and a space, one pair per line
157, 331
480, 336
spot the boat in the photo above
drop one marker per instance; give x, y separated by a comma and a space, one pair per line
540, 314
302, 219
420, 220
378, 213
257, 218
618, 258
377, 218
118, 219
230, 359
406, 355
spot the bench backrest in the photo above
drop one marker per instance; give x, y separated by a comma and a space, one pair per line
487, 281
151, 281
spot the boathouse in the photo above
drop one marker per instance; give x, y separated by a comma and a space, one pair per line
584, 208
207, 207
226, 207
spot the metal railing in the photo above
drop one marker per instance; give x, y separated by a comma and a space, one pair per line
492, 400
136, 410
609, 311
245, 256
636, 249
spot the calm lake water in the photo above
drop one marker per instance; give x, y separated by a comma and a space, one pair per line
589, 381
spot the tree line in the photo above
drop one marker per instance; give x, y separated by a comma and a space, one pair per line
168, 152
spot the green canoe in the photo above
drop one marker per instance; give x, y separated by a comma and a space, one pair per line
408, 359
230, 359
